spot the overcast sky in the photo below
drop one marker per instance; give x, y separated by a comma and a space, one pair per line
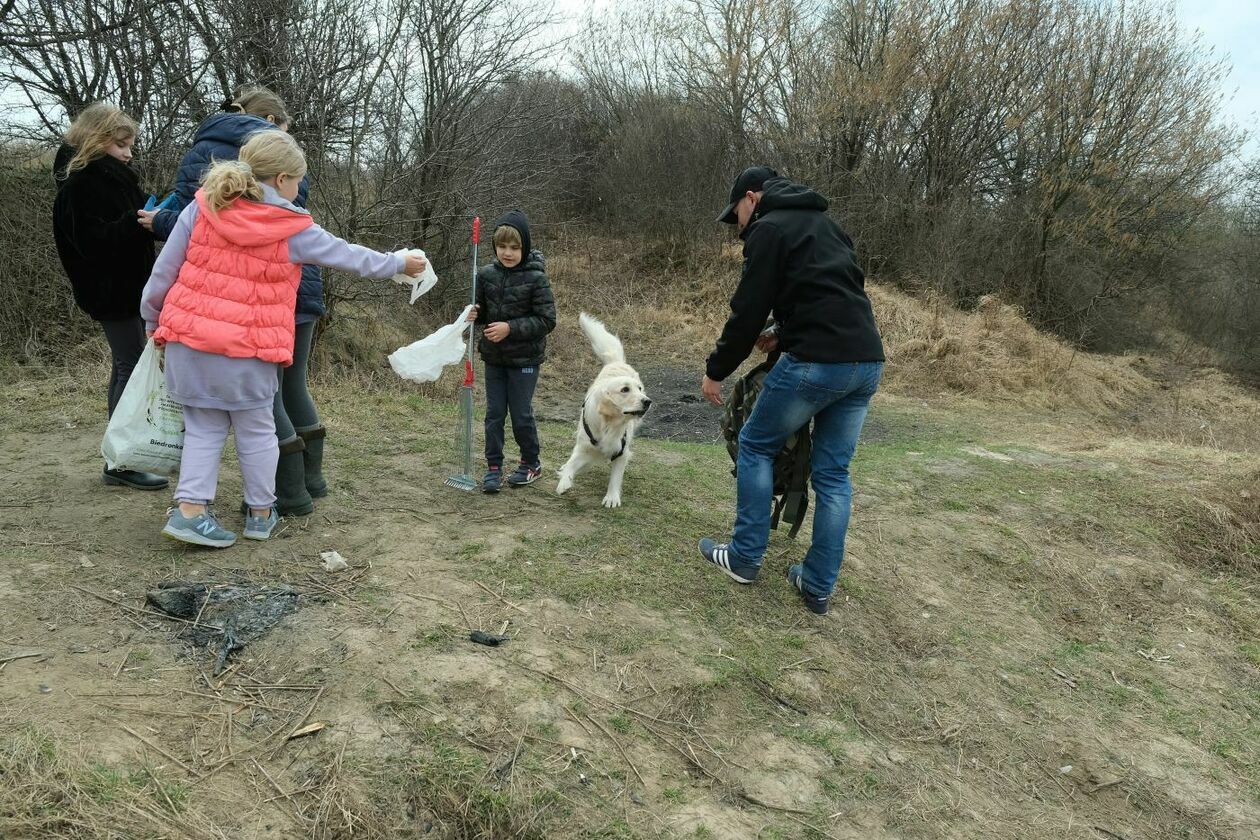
1232, 29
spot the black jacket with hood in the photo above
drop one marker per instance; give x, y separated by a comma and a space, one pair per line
799, 266
103, 248
520, 296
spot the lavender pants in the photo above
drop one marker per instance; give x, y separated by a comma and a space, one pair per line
205, 432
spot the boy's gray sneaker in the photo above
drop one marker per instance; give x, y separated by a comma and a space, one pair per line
260, 527
202, 529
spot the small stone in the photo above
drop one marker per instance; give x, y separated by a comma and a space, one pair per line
43, 689
896, 756
1065, 769
86, 563
636, 799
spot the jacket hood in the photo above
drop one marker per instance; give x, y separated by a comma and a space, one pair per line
232, 129
60, 162
782, 194
253, 223
516, 219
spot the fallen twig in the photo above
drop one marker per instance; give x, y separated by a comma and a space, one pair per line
620, 748
302, 722
7, 659
151, 613
156, 748
516, 607
1105, 785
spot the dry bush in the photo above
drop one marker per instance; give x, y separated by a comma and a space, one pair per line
992, 352
38, 317
1222, 530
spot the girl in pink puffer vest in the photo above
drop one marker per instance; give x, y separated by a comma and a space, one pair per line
221, 300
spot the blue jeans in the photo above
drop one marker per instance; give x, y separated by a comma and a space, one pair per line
836, 396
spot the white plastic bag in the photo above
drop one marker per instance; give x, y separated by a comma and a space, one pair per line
423, 360
419, 285
146, 432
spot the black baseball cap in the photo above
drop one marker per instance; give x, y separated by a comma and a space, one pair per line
750, 180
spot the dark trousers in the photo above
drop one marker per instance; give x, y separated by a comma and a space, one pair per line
126, 342
511, 390
293, 409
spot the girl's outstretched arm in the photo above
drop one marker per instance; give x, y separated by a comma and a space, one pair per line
316, 246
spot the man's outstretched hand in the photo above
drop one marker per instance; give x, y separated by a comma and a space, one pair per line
712, 390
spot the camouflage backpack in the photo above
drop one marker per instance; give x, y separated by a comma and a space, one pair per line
791, 465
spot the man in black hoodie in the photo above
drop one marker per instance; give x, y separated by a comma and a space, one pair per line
800, 268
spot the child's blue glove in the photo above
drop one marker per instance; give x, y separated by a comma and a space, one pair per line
168, 203
151, 203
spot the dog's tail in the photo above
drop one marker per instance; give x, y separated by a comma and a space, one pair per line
607, 346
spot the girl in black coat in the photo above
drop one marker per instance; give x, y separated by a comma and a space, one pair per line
103, 248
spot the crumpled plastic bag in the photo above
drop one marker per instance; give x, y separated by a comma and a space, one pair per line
419, 285
423, 360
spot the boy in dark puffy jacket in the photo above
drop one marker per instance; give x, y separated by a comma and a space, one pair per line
517, 310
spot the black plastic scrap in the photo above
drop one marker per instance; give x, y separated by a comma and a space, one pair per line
226, 616
481, 637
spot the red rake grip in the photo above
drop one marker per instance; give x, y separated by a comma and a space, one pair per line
476, 229
468, 373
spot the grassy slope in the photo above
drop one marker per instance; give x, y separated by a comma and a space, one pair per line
1027, 644
1046, 626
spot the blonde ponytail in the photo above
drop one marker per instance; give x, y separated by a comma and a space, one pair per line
265, 155
228, 180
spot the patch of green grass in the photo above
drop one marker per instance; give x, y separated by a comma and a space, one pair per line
1251, 652
674, 795
1074, 649
458, 786
440, 639
620, 723
169, 795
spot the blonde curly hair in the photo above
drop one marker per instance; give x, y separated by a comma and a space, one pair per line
265, 155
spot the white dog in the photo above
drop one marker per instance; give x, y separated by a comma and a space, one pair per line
614, 405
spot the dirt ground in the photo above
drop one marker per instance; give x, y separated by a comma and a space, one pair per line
1040, 632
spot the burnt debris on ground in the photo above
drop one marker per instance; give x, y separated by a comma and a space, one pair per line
224, 617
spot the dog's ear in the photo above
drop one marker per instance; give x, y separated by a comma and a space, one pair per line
607, 407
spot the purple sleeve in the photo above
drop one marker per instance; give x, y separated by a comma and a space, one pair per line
316, 246
166, 268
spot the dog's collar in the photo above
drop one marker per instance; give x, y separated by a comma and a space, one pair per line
591, 435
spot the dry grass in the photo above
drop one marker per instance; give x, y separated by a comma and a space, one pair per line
45, 792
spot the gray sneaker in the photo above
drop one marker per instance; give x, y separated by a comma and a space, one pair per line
260, 527
202, 529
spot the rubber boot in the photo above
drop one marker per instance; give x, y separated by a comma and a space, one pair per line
292, 498
313, 461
